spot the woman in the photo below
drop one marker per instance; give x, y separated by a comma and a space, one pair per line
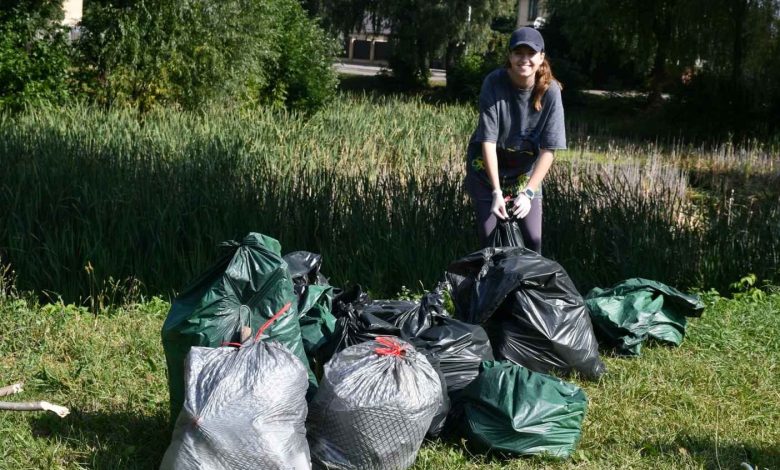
520, 127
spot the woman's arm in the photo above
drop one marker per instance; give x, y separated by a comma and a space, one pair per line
490, 158
543, 164
541, 168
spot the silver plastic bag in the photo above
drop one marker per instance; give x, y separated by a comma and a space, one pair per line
244, 408
374, 406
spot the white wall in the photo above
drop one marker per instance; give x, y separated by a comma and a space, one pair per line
73, 9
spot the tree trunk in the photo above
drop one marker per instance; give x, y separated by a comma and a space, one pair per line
737, 53
518, 22
662, 30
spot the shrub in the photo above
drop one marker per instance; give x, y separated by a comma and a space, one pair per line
464, 80
189, 52
34, 59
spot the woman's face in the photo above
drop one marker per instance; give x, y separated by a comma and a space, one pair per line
525, 62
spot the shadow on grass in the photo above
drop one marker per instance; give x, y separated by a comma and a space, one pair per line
109, 440
711, 453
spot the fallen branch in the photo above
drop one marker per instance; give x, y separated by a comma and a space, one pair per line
61, 411
11, 389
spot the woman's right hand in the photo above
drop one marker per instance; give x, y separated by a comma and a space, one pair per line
499, 205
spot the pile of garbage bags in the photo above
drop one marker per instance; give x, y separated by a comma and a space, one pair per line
247, 286
272, 367
530, 308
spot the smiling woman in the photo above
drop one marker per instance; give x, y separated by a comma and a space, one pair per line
520, 127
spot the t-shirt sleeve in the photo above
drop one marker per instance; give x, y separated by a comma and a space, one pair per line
487, 129
553, 135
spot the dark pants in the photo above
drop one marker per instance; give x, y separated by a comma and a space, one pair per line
482, 196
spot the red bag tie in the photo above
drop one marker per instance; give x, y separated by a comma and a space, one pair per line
265, 325
271, 320
392, 347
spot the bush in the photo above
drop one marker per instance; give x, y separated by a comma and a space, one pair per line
464, 80
34, 59
189, 52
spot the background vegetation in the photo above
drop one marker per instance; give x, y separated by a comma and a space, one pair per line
374, 184
182, 54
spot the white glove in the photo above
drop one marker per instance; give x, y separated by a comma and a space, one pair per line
499, 205
522, 206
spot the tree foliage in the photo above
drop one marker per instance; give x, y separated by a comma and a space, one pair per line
34, 54
730, 40
187, 52
421, 30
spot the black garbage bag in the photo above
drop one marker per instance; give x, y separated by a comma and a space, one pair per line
375, 403
510, 409
507, 234
460, 347
408, 316
305, 268
440, 418
455, 348
529, 307
634, 310
244, 409
247, 286
355, 327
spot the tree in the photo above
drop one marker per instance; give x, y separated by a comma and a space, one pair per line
659, 37
420, 29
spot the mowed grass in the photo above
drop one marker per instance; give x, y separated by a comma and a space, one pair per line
714, 402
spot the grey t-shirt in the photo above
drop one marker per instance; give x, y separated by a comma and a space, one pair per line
508, 118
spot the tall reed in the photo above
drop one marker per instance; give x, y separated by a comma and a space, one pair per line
372, 184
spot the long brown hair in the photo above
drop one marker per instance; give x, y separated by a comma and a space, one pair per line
542, 81
544, 77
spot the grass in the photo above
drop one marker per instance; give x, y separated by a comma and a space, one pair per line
711, 403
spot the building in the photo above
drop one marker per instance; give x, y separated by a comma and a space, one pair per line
73, 10
530, 13
369, 44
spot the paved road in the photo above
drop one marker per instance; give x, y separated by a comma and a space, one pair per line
440, 76
437, 75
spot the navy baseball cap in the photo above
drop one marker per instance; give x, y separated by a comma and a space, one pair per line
527, 36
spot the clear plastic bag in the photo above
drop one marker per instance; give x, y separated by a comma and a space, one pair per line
374, 406
244, 408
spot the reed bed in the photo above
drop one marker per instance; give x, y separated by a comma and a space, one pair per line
94, 202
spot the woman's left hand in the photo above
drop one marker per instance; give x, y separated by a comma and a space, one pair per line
522, 206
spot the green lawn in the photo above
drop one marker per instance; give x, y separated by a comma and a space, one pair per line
712, 403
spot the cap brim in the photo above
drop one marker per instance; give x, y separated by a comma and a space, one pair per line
526, 43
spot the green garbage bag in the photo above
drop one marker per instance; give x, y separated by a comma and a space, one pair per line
636, 309
317, 322
247, 286
511, 409
315, 301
